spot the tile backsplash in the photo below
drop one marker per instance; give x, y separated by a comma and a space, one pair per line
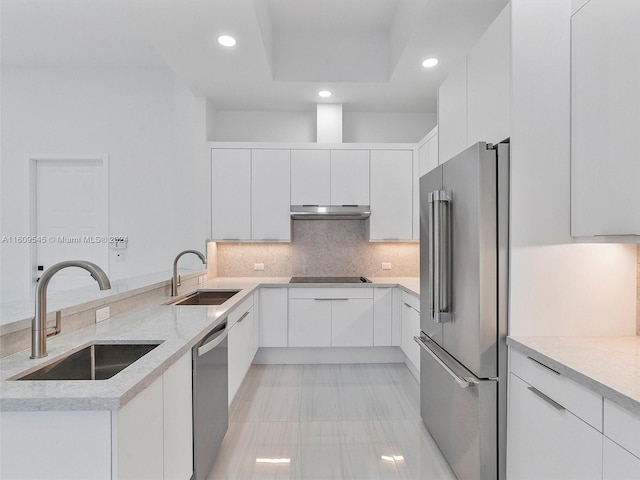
320, 248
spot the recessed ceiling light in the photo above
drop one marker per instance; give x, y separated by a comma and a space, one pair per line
324, 93
227, 41
430, 62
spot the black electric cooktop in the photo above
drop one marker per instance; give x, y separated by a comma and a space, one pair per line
329, 280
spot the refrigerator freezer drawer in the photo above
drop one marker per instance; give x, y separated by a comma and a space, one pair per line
461, 418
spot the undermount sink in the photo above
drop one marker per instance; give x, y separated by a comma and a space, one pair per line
97, 361
206, 297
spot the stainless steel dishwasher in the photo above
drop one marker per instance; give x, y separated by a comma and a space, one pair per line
210, 397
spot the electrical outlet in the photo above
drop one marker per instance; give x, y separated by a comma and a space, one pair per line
202, 279
258, 266
386, 266
102, 314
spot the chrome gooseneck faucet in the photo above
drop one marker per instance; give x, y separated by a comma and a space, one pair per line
39, 323
175, 281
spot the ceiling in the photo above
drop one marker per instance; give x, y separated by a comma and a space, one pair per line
367, 52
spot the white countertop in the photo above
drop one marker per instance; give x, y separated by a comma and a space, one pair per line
610, 366
179, 329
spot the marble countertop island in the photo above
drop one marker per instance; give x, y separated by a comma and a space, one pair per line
179, 328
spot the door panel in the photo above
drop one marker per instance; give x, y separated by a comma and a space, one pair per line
270, 195
349, 177
231, 194
352, 322
462, 421
72, 214
471, 337
309, 322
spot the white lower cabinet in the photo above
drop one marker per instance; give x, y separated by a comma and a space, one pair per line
309, 322
326, 317
70, 445
273, 324
149, 438
154, 431
241, 345
618, 463
559, 429
352, 322
621, 450
139, 430
548, 441
178, 419
383, 317
410, 327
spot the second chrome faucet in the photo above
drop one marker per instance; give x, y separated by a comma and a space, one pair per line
175, 281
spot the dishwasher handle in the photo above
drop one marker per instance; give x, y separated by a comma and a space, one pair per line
215, 338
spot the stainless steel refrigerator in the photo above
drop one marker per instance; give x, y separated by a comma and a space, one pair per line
464, 235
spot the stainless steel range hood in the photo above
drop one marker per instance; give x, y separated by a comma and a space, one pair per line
330, 212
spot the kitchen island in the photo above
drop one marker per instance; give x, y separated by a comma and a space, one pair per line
85, 427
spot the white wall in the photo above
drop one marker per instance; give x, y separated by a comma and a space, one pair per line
145, 121
557, 288
301, 126
265, 126
386, 127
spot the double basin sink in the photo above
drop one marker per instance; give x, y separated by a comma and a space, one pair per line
100, 361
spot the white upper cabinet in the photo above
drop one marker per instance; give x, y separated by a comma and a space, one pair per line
605, 118
329, 177
428, 152
231, 194
310, 177
452, 113
349, 177
474, 101
391, 195
270, 199
250, 194
489, 83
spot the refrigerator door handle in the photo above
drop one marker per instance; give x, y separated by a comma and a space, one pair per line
433, 288
440, 252
463, 382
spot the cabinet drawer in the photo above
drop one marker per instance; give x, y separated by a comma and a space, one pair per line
331, 293
547, 442
241, 309
617, 463
622, 426
582, 402
411, 300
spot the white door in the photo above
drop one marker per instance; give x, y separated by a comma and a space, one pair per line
71, 218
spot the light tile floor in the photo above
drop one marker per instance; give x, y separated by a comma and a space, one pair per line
328, 422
